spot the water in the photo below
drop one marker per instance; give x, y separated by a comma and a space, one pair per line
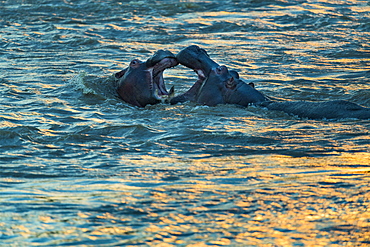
79, 167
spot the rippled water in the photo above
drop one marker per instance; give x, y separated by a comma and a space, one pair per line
81, 167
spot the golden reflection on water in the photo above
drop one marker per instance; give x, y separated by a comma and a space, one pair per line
306, 168
198, 199
315, 201
278, 214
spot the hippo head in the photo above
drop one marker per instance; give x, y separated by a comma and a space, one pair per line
197, 59
142, 83
215, 84
224, 87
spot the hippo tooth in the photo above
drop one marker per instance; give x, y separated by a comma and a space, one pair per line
172, 92
156, 94
170, 95
200, 73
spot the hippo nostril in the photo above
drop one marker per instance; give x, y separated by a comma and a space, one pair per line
231, 80
230, 83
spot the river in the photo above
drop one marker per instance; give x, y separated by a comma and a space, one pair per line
80, 167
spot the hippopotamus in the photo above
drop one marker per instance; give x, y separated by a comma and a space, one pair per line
142, 83
333, 109
217, 85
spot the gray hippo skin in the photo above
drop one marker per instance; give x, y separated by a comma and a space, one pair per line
336, 109
215, 84
142, 82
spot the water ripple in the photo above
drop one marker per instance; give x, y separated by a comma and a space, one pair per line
79, 166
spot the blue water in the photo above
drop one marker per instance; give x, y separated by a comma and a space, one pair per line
80, 167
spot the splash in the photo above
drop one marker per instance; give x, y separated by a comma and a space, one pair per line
80, 84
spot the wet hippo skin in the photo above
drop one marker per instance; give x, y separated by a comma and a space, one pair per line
217, 85
335, 109
142, 83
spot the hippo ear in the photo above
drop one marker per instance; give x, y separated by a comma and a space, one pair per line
251, 84
120, 74
234, 74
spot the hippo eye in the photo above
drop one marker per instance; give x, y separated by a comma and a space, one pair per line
134, 62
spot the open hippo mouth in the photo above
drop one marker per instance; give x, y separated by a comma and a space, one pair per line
156, 65
142, 83
215, 84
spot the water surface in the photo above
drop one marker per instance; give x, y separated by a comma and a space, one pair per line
79, 167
